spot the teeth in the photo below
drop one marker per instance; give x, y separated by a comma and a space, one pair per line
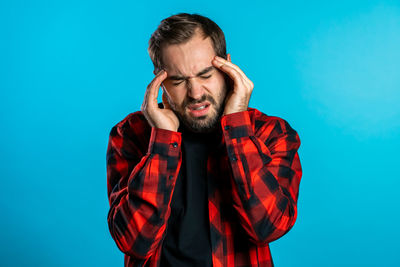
200, 107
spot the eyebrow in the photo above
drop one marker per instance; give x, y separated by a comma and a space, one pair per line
202, 72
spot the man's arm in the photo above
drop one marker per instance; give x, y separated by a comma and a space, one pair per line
140, 183
266, 174
140, 186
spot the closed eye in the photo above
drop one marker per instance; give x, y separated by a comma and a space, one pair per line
176, 84
180, 81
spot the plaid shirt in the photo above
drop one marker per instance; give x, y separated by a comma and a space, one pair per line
253, 186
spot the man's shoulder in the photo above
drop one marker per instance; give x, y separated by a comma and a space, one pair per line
134, 118
134, 123
263, 120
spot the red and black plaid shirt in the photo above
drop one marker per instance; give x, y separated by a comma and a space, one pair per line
254, 177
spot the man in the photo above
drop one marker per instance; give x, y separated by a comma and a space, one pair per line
200, 179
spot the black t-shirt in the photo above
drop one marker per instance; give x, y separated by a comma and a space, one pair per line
187, 242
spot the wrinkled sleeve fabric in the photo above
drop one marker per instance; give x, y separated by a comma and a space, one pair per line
266, 173
140, 185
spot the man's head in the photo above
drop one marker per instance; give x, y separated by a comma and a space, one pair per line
184, 45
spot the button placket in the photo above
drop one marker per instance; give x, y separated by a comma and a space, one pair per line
174, 145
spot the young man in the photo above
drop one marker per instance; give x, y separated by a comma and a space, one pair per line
200, 179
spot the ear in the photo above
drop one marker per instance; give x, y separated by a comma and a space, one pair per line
229, 57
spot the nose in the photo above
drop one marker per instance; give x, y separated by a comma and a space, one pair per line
195, 88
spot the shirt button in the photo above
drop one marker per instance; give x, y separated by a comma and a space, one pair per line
233, 158
174, 144
170, 177
227, 127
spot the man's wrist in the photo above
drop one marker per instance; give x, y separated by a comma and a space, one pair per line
165, 142
237, 124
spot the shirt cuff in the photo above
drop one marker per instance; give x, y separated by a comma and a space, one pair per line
236, 125
165, 142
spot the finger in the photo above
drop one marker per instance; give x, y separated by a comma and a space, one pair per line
153, 88
233, 73
165, 100
228, 63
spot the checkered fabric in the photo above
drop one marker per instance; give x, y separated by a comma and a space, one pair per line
253, 187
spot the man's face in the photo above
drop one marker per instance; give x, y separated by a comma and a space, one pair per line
194, 88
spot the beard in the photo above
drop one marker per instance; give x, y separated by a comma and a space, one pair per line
203, 124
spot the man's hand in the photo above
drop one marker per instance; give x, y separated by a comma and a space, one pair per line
156, 117
238, 99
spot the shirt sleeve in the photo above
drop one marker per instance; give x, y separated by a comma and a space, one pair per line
140, 186
266, 174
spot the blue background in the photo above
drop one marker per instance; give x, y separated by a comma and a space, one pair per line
70, 70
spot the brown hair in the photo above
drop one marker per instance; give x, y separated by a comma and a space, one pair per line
179, 29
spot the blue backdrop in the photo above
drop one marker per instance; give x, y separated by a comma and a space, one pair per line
70, 70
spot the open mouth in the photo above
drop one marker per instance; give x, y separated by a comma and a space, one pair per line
199, 110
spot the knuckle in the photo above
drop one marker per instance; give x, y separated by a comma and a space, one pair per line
251, 84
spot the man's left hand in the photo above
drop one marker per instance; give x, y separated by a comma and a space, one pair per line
237, 99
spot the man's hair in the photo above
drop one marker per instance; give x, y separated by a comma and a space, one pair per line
180, 28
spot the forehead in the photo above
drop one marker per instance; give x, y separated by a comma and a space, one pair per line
188, 58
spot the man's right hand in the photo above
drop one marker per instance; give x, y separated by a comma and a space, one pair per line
160, 118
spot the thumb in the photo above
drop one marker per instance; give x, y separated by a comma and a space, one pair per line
165, 101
